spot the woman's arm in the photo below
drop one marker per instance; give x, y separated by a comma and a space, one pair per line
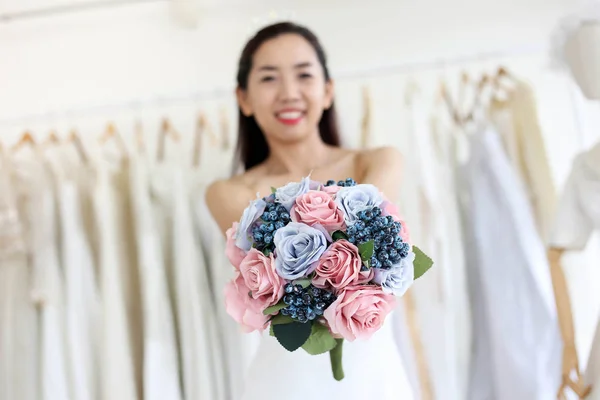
226, 202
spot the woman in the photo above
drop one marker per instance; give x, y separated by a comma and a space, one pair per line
287, 129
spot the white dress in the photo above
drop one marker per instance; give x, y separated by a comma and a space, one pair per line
19, 325
373, 370
82, 300
45, 253
117, 374
517, 343
194, 310
161, 364
577, 218
442, 298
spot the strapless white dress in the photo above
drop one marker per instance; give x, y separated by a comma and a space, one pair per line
373, 369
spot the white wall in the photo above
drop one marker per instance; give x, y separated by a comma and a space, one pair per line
138, 53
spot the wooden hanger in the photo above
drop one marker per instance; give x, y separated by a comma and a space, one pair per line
111, 133
165, 130
76, 140
224, 122
139, 137
444, 94
570, 360
52, 138
199, 132
25, 140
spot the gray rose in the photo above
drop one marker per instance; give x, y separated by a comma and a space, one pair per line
286, 195
397, 279
251, 214
351, 200
298, 248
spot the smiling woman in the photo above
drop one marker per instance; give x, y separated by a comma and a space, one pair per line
284, 62
287, 130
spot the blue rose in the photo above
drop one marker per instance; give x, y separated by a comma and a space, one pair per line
298, 248
286, 195
251, 214
397, 279
352, 200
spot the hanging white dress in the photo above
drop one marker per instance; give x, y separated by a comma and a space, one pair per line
82, 300
443, 305
577, 218
237, 348
194, 310
19, 322
161, 364
55, 384
514, 310
116, 260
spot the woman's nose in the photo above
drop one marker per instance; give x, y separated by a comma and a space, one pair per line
289, 89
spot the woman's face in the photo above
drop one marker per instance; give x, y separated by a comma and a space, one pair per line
287, 91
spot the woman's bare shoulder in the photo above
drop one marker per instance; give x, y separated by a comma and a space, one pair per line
379, 158
227, 198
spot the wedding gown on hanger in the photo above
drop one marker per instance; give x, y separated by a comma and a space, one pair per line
161, 364
19, 322
517, 341
82, 299
117, 374
194, 310
442, 299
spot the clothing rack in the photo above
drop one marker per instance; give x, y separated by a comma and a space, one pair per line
69, 8
228, 92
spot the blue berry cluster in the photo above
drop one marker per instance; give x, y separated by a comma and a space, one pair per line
306, 304
347, 183
389, 249
274, 217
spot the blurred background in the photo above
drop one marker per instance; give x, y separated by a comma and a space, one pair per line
94, 82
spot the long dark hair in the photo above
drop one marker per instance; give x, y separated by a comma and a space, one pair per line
252, 147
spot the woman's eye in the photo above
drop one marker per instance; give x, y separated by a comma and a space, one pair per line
305, 75
267, 78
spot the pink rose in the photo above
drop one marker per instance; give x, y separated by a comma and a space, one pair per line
243, 308
359, 311
261, 278
340, 266
317, 207
389, 208
233, 253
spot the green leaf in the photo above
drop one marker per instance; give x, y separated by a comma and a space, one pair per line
335, 357
367, 263
280, 319
366, 250
320, 340
292, 336
266, 252
339, 235
304, 282
273, 190
274, 308
422, 262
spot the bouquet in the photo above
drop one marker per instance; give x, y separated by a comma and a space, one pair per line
318, 264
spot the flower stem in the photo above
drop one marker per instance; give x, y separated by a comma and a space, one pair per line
335, 356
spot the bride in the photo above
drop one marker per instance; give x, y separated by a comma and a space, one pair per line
287, 129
